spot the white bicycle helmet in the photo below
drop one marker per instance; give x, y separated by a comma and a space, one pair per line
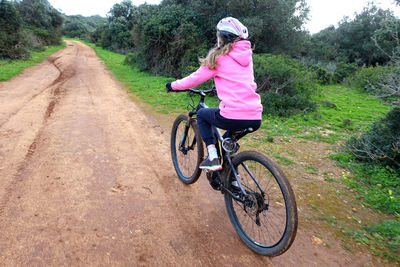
233, 26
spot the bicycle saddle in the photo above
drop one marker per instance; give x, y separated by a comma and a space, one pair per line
240, 133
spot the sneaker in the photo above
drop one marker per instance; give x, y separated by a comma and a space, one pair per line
211, 165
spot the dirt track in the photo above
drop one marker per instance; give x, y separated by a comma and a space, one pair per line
86, 179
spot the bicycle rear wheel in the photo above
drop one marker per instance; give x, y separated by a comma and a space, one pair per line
266, 222
186, 157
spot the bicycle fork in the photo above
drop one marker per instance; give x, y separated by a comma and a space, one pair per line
185, 134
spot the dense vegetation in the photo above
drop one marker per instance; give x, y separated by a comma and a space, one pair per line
27, 25
285, 85
356, 40
168, 38
81, 27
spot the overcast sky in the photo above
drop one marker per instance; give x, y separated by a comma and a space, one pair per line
322, 12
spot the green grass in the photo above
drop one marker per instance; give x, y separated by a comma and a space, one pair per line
355, 111
283, 160
377, 186
382, 239
9, 69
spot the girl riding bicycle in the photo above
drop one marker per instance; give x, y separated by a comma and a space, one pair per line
230, 64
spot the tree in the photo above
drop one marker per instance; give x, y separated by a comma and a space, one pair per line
355, 38
382, 142
117, 34
170, 37
275, 26
12, 43
41, 19
388, 86
82, 27
323, 46
169, 45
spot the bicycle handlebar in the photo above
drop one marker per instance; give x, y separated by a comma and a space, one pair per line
200, 92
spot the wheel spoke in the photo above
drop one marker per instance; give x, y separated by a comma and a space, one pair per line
254, 177
186, 155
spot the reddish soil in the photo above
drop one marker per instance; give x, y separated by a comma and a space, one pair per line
86, 179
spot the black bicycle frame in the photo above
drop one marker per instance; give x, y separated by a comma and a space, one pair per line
220, 140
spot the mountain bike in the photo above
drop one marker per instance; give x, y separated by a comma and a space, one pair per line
258, 197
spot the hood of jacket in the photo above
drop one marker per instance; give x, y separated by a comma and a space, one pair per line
242, 53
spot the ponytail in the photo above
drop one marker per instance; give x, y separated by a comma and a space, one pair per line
210, 60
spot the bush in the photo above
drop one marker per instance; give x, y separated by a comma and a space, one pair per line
285, 105
284, 84
130, 59
367, 78
381, 143
12, 42
178, 46
41, 19
344, 70
322, 75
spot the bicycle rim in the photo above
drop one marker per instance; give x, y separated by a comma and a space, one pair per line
274, 230
186, 162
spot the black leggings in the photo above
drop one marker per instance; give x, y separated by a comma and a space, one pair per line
207, 117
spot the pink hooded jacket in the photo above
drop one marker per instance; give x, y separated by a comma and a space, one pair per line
234, 80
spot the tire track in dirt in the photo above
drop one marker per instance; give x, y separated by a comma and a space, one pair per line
57, 93
56, 81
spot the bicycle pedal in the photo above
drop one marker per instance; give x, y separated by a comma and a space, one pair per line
214, 181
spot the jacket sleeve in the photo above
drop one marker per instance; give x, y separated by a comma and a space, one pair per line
198, 77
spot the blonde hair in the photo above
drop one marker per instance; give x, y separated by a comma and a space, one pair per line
210, 60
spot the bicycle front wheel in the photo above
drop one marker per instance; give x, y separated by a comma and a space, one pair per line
265, 219
186, 149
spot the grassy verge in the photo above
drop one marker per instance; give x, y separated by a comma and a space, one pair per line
9, 69
381, 239
342, 112
378, 187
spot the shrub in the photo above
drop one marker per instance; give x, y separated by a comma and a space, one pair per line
178, 44
381, 143
284, 84
285, 105
344, 70
367, 78
322, 75
41, 19
130, 59
12, 42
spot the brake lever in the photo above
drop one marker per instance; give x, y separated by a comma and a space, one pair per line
214, 91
